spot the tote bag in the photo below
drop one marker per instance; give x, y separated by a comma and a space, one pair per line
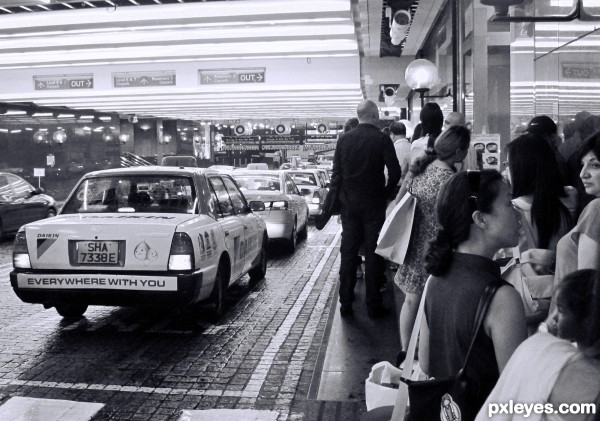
394, 236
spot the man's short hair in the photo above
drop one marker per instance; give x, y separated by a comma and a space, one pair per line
367, 111
542, 125
398, 129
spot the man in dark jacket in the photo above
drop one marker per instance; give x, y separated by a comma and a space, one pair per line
358, 175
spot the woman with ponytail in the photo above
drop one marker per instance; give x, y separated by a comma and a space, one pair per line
430, 172
551, 370
475, 212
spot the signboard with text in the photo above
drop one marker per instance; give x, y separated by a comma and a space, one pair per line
582, 70
231, 76
144, 79
55, 82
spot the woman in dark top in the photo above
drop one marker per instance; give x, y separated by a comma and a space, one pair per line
475, 212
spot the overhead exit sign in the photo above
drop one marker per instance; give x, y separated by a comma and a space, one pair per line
232, 76
144, 79
52, 82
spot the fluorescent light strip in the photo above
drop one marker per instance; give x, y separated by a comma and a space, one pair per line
6, 10
207, 25
42, 7
90, 4
15, 112
42, 115
134, 2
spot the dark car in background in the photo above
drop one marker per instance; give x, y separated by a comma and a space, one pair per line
21, 203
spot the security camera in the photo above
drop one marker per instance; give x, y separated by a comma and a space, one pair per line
389, 91
399, 26
132, 119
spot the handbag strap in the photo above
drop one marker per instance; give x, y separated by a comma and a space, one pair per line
482, 308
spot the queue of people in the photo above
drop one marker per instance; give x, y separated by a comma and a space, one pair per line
462, 219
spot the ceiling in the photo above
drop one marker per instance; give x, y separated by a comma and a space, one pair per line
203, 60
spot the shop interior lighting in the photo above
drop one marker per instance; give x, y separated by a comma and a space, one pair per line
65, 116
3, 130
42, 115
15, 112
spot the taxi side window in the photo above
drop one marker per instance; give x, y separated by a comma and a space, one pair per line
291, 186
239, 202
225, 205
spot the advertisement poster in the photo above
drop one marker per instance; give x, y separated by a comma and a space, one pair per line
488, 145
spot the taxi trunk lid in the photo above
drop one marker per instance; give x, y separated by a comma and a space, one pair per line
103, 242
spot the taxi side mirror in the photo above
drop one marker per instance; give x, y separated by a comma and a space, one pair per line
257, 205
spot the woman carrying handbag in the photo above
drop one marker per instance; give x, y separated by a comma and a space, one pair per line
475, 212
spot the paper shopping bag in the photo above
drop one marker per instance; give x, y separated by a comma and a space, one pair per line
395, 234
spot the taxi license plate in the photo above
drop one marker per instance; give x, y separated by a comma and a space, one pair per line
98, 252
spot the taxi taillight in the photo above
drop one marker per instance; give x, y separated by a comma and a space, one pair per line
181, 256
20, 253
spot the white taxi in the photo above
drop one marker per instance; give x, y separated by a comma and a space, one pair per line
142, 235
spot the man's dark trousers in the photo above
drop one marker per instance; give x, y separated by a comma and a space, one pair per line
361, 226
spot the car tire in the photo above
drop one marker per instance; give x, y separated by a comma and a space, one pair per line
259, 271
303, 233
217, 297
292, 242
50, 213
72, 310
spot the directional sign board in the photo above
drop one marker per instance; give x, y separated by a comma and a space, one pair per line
51, 82
231, 76
144, 79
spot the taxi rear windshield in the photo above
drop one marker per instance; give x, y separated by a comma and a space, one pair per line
139, 193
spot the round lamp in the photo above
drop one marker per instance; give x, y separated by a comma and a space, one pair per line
501, 6
59, 136
421, 75
40, 137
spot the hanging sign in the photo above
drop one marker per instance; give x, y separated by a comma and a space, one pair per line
53, 82
144, 79
232, 76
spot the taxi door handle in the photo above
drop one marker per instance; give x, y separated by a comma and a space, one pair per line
245, 226
226, 233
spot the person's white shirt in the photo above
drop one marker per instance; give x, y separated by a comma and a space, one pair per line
403, 152
417, 148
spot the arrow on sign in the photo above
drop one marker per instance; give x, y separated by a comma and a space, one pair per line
207, 79
88, 83
144, 81
259, 77
40, 85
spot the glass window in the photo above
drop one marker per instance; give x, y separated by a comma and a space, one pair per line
258, 182
133, 193
6, 193
21, 188
223, 199
237, 198
307, 179
291, 186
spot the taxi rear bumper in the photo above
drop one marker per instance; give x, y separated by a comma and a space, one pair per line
44, 287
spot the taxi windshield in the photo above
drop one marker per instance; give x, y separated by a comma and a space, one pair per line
133, 193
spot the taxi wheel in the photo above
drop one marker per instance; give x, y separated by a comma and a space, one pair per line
71, 311
259, 271
293, 240
217, 297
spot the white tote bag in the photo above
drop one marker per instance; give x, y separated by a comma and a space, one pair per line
395, 233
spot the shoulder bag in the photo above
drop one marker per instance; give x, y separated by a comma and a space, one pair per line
449, 399
394, 235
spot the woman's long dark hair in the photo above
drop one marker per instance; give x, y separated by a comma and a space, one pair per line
454, 213
580, 291
534, 171
432, 122
446, 145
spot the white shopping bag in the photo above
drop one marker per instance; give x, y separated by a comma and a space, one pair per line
395, 234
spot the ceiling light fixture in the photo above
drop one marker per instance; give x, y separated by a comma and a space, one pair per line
501, 13
421, 75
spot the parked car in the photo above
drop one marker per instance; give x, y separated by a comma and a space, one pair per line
21, 203
313, 187
286, 211
142, 235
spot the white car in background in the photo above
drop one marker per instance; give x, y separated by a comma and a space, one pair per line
313, 187
286, 211
142, 235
